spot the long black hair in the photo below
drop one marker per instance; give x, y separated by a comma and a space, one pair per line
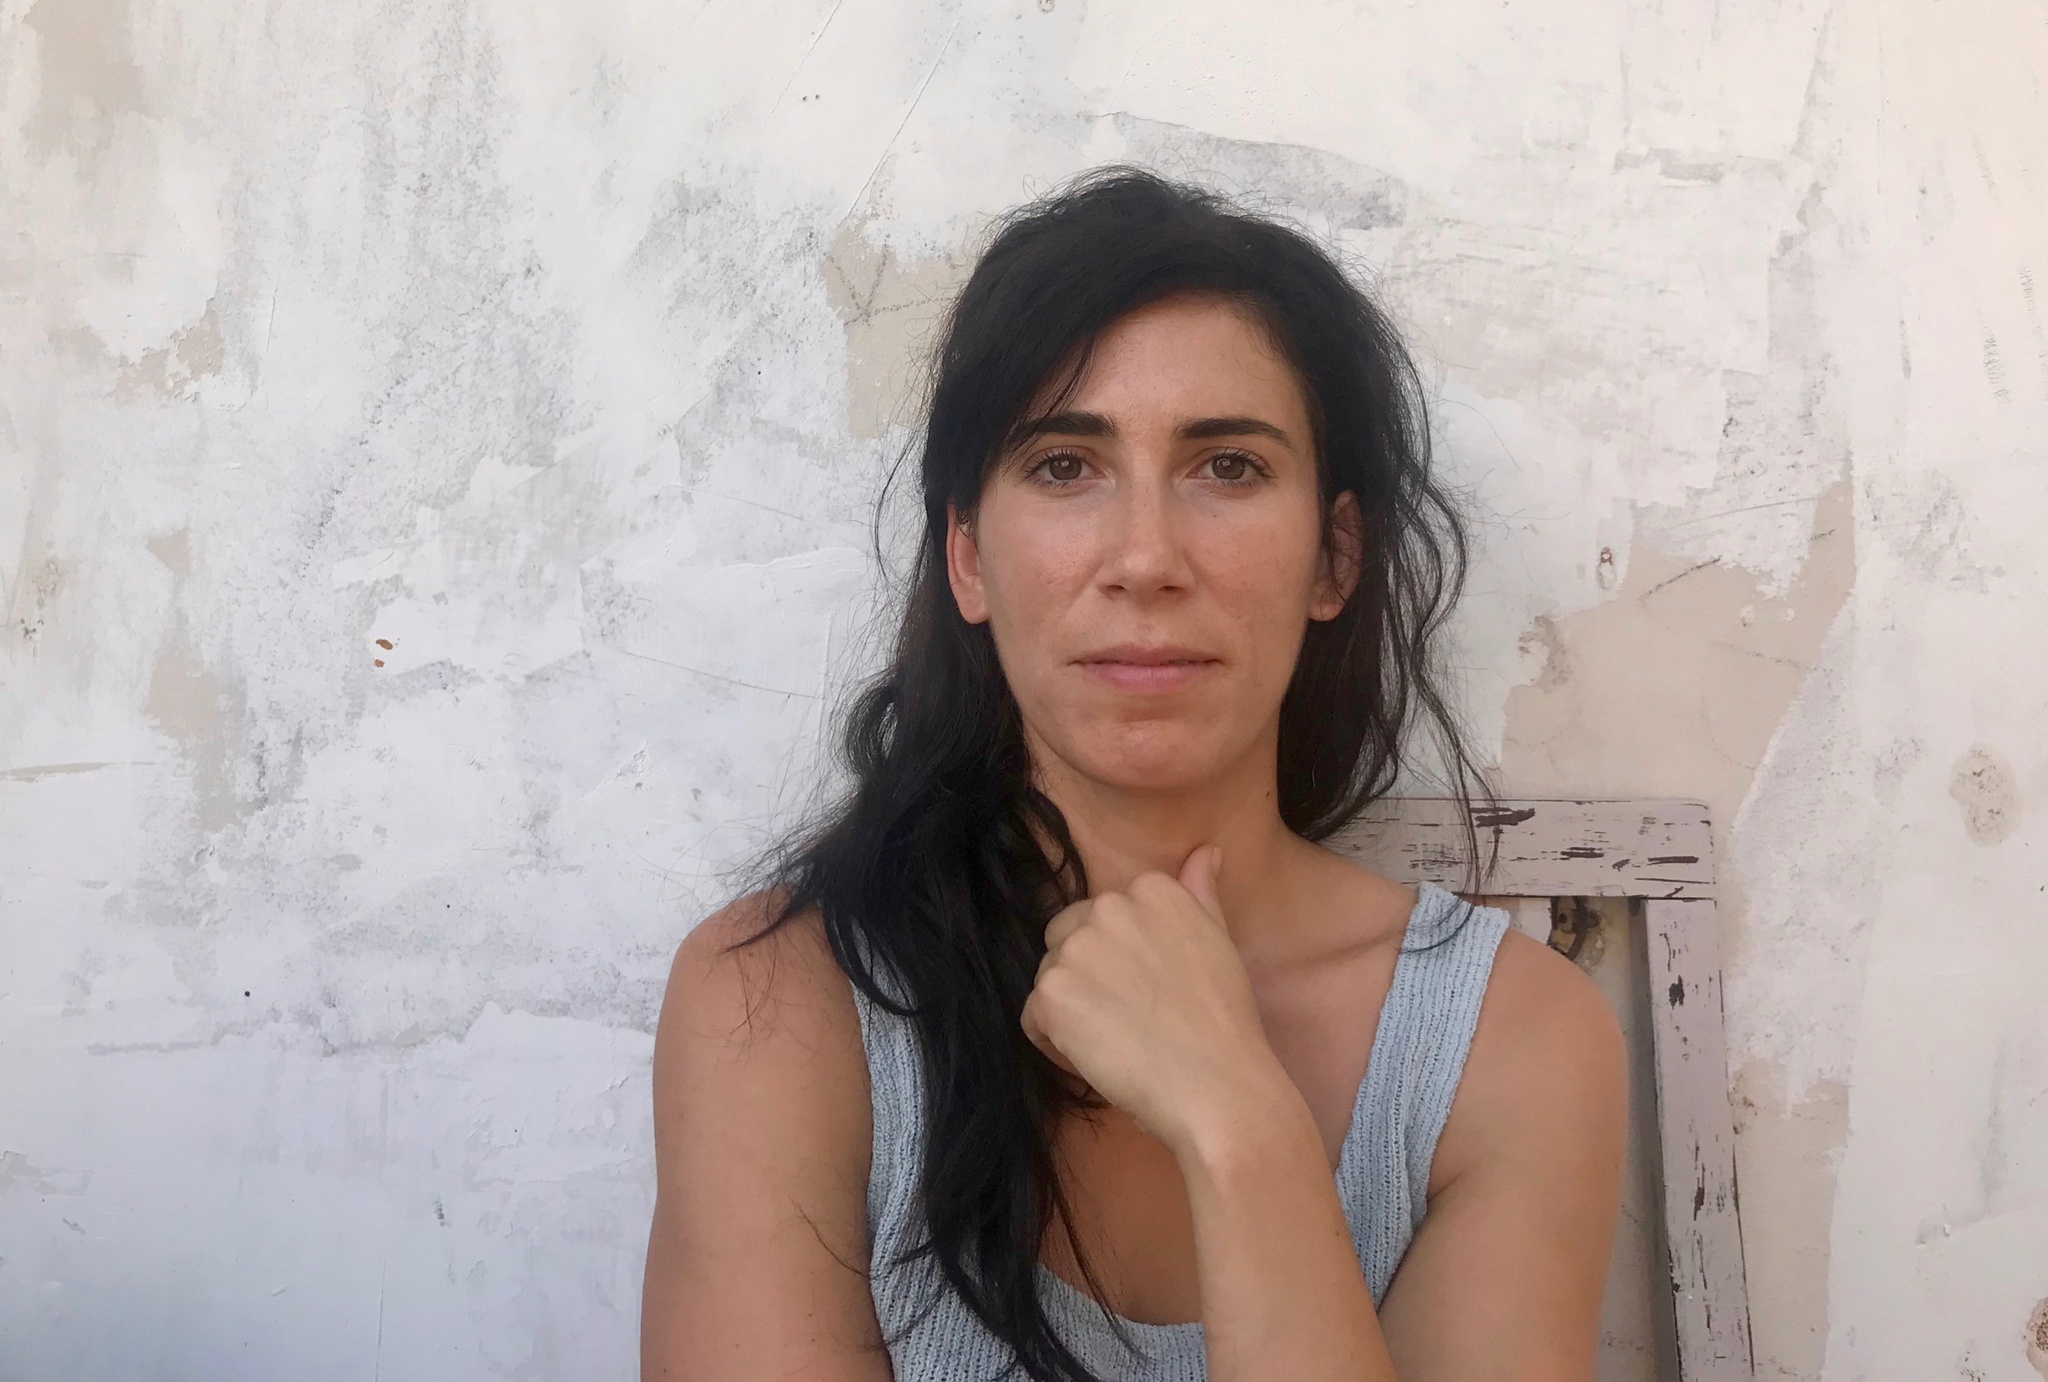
938, 871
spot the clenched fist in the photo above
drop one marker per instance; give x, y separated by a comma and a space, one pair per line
1142, 994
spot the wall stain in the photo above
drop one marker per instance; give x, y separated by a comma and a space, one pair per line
1787, 1152
35, 595
174, 550
1924, 523
188, 703
1273, 176
88, 77
1994, 368
2037, 1337
1986, 788
892, 312
2034, 323
36, 772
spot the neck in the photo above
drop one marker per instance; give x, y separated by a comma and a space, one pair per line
1121, 833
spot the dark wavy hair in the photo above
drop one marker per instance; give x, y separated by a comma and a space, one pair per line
937, 872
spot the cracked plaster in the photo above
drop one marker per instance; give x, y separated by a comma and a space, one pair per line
408, 425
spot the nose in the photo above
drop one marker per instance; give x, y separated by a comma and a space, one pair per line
1146, 554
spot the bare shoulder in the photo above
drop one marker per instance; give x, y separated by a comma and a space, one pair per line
757, 992
1546, 1067
759, 1035
762, 1128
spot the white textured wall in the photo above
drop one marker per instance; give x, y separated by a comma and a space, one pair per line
556, 347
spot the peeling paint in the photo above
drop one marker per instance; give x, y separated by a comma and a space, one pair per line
1786, 1154
892, 314
174, 550
555, 366
88, 77
197, 352
1280, 178
190, 704
1666, 689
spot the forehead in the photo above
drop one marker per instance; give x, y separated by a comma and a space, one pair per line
1188, 356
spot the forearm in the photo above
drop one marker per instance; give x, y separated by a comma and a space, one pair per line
1283, 1297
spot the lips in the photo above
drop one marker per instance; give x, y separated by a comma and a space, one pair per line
1148, 669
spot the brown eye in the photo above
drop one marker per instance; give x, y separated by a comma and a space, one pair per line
1064, 469
1229, 467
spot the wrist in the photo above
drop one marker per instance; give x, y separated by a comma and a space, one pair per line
1255, 1123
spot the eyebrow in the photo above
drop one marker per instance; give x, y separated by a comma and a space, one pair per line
1072, 424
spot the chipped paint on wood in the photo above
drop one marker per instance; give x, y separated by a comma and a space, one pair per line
1702, 1227
1542, 848
1659, 851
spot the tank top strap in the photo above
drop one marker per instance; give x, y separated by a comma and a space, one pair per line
923, 1326
1418, 1054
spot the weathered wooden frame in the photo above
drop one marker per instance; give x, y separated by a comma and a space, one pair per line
1661, 853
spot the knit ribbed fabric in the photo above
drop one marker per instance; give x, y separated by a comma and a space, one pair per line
1382, 1173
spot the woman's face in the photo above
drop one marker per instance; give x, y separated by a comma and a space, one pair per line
1148, 557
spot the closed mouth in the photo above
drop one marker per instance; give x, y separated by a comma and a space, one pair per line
1147, 670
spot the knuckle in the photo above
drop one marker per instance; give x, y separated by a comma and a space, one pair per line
1052, 990
1079, 948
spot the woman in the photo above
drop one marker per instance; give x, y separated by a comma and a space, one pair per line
1062, 1044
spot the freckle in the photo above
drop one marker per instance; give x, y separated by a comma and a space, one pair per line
385, 644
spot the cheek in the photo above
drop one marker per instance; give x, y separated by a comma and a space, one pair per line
1032, 570
1265, 572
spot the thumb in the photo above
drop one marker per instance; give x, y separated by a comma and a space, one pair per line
1198, 876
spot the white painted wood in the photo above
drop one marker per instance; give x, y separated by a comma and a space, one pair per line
1530, 915
1702, 1230
1659, 851
1542, 848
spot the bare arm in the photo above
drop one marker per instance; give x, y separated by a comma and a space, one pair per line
756, 1260
1282, 1293
1143, 994
1504, 1279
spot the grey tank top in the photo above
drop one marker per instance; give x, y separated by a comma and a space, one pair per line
1382, 1172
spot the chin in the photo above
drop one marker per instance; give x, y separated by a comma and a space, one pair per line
1148, 758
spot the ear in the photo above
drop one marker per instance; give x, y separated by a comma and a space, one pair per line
963, 568
1342, 561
